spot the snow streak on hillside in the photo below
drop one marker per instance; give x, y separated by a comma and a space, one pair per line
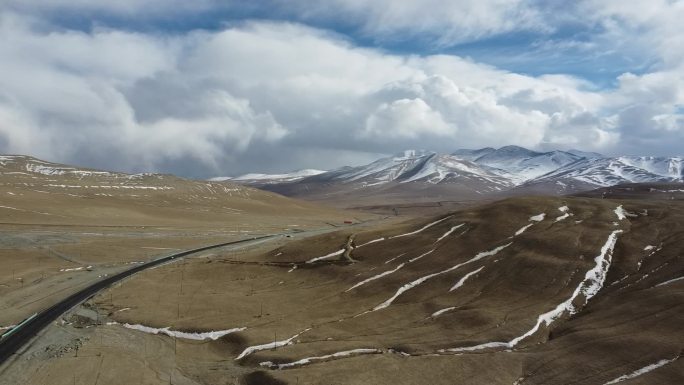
593, 282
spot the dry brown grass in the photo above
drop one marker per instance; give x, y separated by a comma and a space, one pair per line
631, 323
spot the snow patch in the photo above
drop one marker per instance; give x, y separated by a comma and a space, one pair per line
442, 311
538, 218
373, 278
566, 211
622, 213
522, 229
270, 345
670, 281
310, 360
421, 256
333, 254
641, 371
369, 242
589, 287
76, 268
465, 278
562, 217
392, 259
421, 280
212, 335
421, 229
451, 230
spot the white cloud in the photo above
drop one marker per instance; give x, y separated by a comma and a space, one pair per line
406, 119
642, 28
122, 7
267, 94
443, 22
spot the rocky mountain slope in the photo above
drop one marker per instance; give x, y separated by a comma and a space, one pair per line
412, 176
467, 175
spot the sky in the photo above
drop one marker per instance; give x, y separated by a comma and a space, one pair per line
224, 87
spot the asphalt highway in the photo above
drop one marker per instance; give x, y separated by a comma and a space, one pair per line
16, 338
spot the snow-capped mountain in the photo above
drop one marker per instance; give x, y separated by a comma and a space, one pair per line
586, 154
414, 166
472, 154
517, 163
574, 169
413, 175
604, 172
255, 178
667, 167
471, 174
383, 170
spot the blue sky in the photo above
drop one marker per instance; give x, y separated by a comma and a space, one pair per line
223, 87
529, 51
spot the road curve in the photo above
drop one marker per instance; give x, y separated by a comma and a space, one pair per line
14, 339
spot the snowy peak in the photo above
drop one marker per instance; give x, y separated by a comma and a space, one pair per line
413, 167
256, 178
517, 163
421, 167
611, 171
479, 171
449, 168
667, 167
586, 154
507, 154
384, 170
472, 154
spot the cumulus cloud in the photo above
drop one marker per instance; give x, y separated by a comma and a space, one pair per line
406, 119
273, 96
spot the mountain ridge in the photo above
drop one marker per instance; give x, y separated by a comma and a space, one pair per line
471, 174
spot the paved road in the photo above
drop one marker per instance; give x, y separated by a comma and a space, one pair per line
13, 340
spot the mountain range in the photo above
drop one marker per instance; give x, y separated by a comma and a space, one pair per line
420, 176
